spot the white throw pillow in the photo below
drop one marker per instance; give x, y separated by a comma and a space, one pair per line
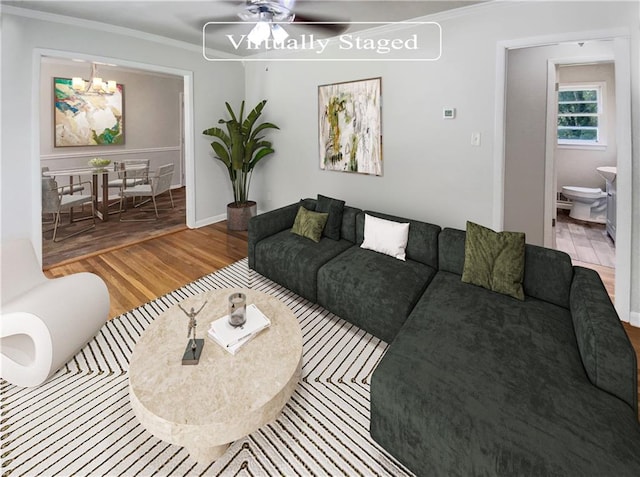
385, 236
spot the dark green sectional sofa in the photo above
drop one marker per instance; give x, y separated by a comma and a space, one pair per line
473, 382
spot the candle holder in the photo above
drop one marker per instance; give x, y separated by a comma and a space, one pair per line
237, 309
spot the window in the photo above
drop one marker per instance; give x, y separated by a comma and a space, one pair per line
580, 115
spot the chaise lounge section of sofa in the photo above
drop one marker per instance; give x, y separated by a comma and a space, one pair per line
479, 383
474, 382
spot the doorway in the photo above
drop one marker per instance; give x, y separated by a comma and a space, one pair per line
581, 108
525, 202
143, 79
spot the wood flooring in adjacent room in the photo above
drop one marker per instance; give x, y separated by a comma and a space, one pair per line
143, 271
584, 241
113, 234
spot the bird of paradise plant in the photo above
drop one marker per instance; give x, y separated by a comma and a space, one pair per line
241, 147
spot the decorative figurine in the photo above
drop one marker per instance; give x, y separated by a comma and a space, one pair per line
194, 346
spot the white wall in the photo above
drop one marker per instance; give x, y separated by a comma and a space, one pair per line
431, 171
577, 166
151, 105
213, 84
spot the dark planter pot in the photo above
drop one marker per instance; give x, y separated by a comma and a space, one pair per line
238, 215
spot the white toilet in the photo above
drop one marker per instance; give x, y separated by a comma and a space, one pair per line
587, 204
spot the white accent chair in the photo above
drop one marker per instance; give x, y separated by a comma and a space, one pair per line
44, 322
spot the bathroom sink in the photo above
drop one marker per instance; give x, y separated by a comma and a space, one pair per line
608, 172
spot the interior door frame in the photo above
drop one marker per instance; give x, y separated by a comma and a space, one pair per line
622, 62
550, 182
187, 131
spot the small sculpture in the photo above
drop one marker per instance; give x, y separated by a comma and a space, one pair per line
194, 347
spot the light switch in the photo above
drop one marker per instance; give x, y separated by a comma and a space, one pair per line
475, 138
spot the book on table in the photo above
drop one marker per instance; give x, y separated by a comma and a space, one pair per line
233, 338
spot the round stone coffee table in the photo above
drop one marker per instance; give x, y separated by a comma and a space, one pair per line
225, 397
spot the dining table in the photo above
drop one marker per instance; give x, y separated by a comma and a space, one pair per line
101, 207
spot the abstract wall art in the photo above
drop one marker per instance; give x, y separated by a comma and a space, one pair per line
87, 119
350, 132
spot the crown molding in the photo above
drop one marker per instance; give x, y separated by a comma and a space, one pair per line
106, 27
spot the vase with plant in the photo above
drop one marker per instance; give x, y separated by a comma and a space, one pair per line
240, 148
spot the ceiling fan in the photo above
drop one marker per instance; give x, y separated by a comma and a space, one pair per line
271, 16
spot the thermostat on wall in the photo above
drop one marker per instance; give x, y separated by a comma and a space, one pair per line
449, 113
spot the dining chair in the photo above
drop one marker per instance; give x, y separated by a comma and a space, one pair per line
130, 173
55, 202
159, 183
69, 189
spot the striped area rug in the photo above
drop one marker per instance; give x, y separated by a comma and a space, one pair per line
81, 423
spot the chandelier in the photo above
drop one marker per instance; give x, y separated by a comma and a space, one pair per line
95, 85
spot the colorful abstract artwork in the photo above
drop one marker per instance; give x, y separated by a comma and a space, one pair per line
83, 119
350, 132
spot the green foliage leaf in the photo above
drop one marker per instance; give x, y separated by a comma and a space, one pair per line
259, 155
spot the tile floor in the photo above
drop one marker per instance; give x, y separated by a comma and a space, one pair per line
584, 241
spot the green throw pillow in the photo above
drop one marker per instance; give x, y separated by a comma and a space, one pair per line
309, 224
494, 260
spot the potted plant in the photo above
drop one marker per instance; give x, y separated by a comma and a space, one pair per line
240, 148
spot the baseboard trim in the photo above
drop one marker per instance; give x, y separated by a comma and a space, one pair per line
217, 218
210, 220
634, 319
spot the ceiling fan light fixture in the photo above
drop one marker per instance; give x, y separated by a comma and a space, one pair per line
279, 33
259, 33
285, 17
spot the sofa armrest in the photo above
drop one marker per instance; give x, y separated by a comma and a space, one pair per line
607, 354
270, 223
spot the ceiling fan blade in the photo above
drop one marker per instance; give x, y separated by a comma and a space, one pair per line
334, 27
322, 25
225, 19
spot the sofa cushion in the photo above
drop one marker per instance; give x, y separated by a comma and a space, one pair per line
422, 245
385, 236
309, 224
608, 357
373, 291
494, 260
293, 261
477, 383
264, 225
309, 204
348, 229
334, 208
547, 273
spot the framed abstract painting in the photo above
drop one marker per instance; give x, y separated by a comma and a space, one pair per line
350, 131
87, 119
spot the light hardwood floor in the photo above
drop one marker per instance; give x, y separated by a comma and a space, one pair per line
138, 273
